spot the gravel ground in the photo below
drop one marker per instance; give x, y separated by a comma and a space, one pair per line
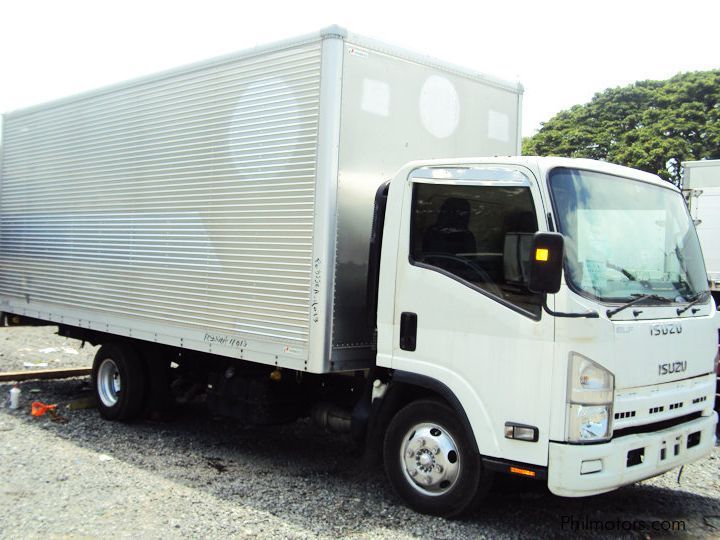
203, 477
28, 348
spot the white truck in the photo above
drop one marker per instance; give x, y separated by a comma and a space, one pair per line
257, 223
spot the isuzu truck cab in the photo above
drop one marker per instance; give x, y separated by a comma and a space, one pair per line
592, 379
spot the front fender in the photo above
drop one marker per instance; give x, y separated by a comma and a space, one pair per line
404, 387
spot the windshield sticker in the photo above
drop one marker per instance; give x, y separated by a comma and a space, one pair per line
595, 271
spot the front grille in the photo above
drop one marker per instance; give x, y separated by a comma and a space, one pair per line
656, 426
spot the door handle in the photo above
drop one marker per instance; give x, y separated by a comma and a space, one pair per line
408, 331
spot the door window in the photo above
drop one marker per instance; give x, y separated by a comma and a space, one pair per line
479, 235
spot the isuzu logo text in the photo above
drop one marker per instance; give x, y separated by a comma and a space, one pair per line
671, 367
665, 329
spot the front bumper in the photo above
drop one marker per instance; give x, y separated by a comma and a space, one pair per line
627, 459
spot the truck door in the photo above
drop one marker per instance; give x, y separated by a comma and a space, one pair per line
463, 313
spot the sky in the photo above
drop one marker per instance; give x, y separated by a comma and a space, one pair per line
562, 52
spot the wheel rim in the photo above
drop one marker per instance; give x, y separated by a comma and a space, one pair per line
430, 459
108, 382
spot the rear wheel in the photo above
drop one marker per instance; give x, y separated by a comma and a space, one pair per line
431, 462
119, 382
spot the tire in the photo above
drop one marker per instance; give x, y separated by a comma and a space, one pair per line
431, 462
119, 382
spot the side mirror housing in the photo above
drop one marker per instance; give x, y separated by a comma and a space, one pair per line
546, 261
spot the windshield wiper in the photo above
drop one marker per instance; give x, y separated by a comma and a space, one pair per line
641, 298
694, 299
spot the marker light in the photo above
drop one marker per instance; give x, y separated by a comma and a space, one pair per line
521, 432
542, 254
522, 472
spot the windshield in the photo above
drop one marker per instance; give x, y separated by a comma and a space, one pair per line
625, 238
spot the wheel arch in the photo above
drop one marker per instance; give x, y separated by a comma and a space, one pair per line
433, 386
403, 388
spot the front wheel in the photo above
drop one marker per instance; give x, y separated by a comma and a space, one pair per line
430, 460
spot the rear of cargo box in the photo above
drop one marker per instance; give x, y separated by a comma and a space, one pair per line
226, 207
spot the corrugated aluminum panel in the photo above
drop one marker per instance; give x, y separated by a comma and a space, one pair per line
186, 199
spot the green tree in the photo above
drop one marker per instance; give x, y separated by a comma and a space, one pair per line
649, 125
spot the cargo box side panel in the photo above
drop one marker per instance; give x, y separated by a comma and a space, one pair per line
395, 110
701, 174
701, 183
179, 207
706, 213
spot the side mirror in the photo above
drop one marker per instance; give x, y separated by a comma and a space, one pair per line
546, 260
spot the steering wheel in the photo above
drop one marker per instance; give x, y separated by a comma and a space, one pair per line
484, 277
627, 275
619, 269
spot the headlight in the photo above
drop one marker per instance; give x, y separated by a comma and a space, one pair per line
590, 390
589, 423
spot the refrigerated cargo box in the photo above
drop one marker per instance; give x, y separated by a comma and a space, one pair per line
226, 206
701, 185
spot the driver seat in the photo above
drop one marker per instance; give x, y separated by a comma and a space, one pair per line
450, 234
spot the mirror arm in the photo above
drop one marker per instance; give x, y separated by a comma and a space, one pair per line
586, 315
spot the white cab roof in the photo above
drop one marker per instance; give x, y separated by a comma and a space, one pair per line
542, 164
